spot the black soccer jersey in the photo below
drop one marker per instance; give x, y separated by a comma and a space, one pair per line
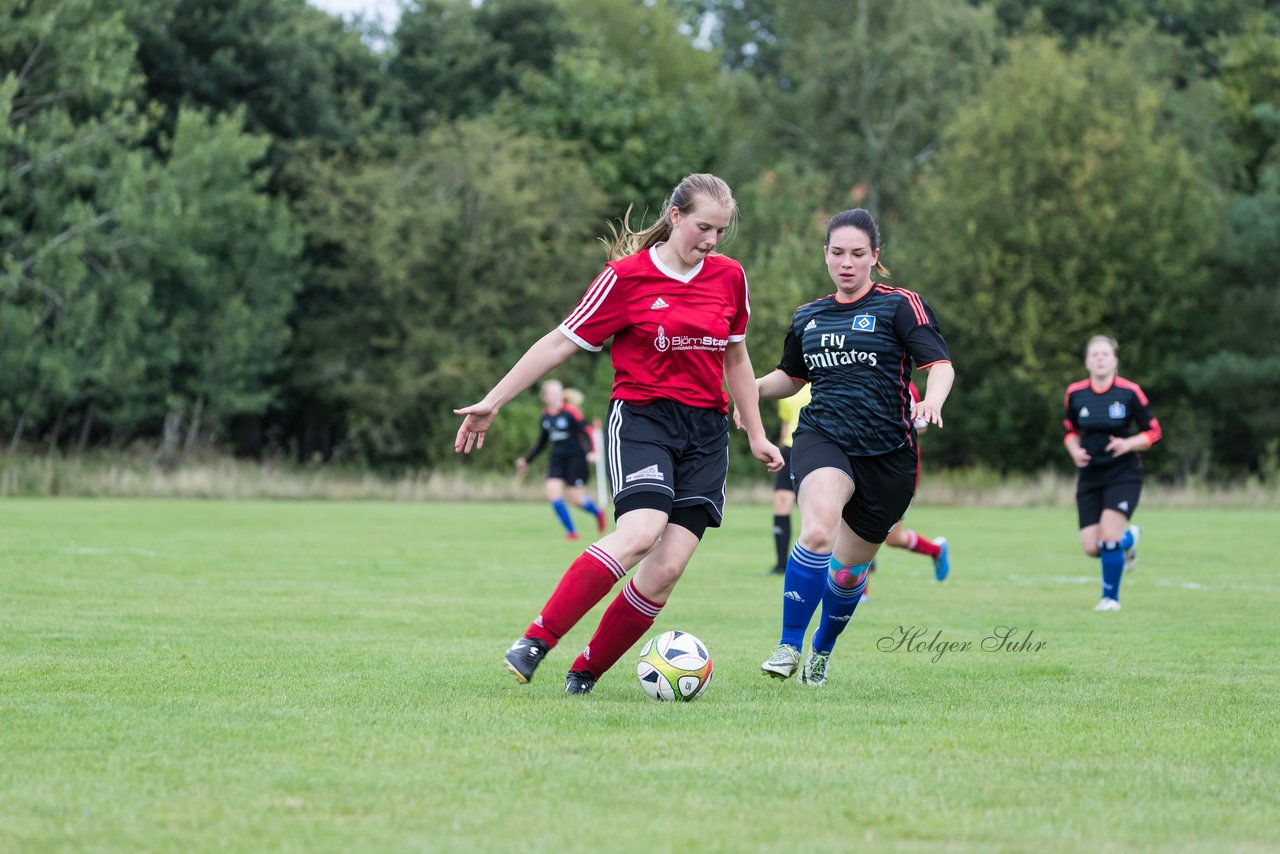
1097, 415
566, 431
859, 356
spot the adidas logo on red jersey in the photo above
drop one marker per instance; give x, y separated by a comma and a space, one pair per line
659, 303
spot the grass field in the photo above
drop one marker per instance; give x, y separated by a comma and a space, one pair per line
221, 676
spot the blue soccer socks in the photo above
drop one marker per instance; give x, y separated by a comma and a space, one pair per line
840, 597
801, 592
562, 513
1112, 556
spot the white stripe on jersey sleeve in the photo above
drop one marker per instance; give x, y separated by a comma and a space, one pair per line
592, 300
564, 329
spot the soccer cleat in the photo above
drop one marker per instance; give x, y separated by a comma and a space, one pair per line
572, 536
602, 521
815, 669
524, 656
942, 563
783, 662
1107, 604
579, 682
1131, 553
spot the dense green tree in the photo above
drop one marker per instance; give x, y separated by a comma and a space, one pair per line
1199, 23
1249, 71
1058, 208
452, 58
295, 72
868, 117
649, 36
130, 280
779, 242
66, 132
745, 31
221, 257
441, 267
1070, 19
1239, 382
1195, 22
643, 104
636, 140
873, 116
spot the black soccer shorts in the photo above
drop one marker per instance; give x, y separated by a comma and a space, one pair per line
1115, 488
667, 447
782, 480
571, 469
883, 485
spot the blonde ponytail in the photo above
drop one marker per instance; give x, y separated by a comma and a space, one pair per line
699, 185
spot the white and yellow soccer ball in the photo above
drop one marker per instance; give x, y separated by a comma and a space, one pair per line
674, 666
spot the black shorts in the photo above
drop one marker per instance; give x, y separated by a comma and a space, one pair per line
668, 448
572, 470
1115, 488
883, 485
782, 481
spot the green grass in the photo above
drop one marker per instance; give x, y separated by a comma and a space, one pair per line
218, 676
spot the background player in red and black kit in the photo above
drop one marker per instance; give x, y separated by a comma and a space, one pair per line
1109, 483
562, 426
677, 313
855, 455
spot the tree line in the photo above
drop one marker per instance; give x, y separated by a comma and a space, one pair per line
250, 225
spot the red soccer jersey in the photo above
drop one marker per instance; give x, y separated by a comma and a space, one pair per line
669, 331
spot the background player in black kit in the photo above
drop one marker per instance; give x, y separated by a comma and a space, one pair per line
855, 453
562, 426
1109, 483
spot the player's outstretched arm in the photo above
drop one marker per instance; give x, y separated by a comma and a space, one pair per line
548, 352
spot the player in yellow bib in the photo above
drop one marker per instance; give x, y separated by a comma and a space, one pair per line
784, 490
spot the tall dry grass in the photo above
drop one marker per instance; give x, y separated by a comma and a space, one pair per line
226, 478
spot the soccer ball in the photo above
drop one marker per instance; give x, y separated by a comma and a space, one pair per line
674, 666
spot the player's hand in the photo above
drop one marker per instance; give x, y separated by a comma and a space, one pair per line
522, 466
1118, 447
479, 417
1079, 456
592, 457
928, 413
737, 419
768, 453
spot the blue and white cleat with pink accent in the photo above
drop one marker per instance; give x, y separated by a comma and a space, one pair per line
942, 563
